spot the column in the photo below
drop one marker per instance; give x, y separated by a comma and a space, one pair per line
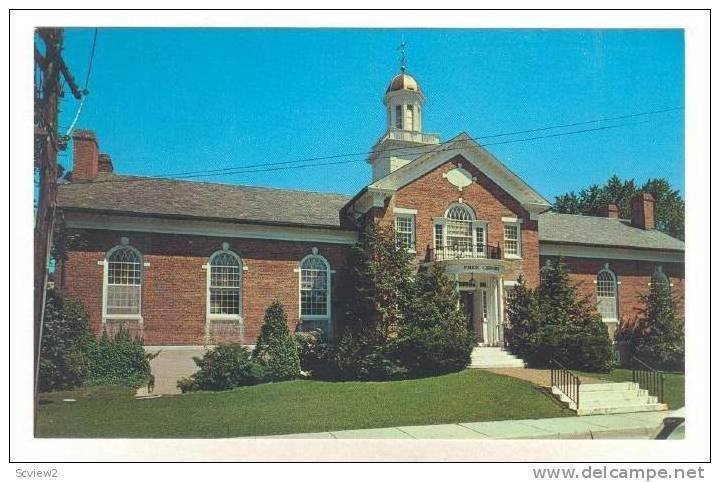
501, 314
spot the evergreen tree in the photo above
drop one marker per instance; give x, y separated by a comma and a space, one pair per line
659, 335
276, 349
553, 321
435, 337
381, 274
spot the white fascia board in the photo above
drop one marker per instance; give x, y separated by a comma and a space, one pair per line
605, 252
207, 228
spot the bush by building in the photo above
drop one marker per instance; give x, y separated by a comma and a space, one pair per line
116, 360
276, 349
223, 367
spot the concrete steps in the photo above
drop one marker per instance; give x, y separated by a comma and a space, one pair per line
609, 398
493, 357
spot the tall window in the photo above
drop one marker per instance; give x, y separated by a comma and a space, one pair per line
659, 278
511, 232
398, 117
459, 228
123, 282
224, 285
607, 295
314, 287
405, 231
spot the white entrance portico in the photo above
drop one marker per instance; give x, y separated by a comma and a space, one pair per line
480, 284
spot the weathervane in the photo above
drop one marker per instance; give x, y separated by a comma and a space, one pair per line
403, 59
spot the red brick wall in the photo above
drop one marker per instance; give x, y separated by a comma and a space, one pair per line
633, 276
432, 194
174, 287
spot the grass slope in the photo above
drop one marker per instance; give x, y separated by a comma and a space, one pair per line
299, 406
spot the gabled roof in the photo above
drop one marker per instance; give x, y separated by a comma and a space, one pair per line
188, 199
480, 157
597, 231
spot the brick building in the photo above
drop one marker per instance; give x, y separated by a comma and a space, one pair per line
190, 264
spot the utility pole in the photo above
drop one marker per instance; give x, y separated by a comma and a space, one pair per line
48, 142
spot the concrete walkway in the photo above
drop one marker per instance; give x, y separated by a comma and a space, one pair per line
626, 425
536, 375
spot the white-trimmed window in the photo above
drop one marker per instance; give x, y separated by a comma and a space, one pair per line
660, 278
511, 232
405, 231
409, 118
459, 229
224, 285
314, 288
123, 282
398, 117
607, 302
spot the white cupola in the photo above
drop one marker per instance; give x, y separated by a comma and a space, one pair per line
403, 140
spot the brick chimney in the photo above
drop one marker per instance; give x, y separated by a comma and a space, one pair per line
105, 163
643, 210
85, 155
609, 211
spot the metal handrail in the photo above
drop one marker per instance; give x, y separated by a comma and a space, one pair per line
649, 379
565, 381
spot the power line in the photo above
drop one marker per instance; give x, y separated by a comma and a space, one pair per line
278, 167
203, 172
85, 88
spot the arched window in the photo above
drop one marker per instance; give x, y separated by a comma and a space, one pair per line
224, 293
314, 287
123, 282
607, 295
459, 226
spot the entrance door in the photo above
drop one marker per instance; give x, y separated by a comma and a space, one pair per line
467, 300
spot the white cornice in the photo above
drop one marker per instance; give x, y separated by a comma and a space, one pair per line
605, 252
207, 228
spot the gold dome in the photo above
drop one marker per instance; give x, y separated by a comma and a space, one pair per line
403, 81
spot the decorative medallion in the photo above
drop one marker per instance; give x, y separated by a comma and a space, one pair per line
225, 246
459, 178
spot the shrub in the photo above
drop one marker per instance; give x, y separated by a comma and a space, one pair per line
65, 331
435, 338
358, 357
276, 349
117, 360
315, 354
552, 321
659, 334
223, 367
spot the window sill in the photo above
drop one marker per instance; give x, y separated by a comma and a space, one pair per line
237, 318
122, 318
314, 317
512, 256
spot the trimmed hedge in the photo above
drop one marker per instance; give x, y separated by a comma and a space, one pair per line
223, 367
117, 360
276, 349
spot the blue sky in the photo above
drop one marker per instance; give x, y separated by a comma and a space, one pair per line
166, 101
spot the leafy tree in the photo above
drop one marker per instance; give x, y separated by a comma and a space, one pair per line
435, 337
276, 349
659, 334
223, 367
65, 331
381, 275
669, 205
552, 321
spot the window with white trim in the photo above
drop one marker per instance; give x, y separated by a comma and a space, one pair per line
409, 118
606, 287
123, 281
659, 278
224, 294
511, 232
314, 287
405, 231
459, 229
398, 117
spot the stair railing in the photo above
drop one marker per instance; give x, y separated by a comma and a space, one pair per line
565, 381
649, 379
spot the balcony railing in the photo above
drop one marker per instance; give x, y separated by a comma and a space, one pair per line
413, 136
470, 251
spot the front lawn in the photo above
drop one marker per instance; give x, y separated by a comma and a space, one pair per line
674, 384
299, 406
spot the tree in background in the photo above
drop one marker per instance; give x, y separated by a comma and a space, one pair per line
276, 349
659, 334
669, 205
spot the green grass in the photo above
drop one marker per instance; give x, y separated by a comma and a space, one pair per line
299, 406
674, 384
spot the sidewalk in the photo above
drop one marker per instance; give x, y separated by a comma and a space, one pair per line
625, 425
